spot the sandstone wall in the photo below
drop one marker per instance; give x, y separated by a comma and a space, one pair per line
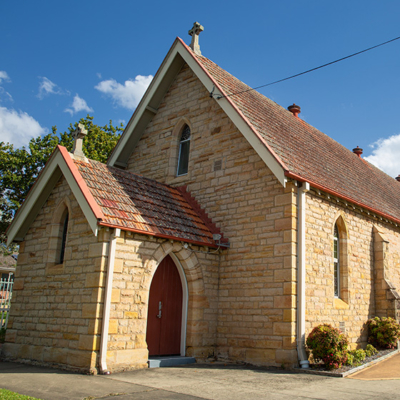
244, 199
137, 258
56, 309
359, 264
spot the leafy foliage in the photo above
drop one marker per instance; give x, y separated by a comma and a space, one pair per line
19, 168
350, 359
358, 356
329, 345
383, 332
8, 395
370, 350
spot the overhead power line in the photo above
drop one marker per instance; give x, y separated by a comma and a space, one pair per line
306, 72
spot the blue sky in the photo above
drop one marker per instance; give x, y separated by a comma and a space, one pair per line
62, 60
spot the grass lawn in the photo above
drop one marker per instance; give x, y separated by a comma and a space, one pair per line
7, 395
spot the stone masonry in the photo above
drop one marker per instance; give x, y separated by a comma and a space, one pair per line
256, 306
57, 309
241, 300
365, 285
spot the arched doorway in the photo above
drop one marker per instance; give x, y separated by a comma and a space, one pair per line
164, 319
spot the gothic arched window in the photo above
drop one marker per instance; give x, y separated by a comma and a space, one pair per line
63, 238
184, 147
336, 262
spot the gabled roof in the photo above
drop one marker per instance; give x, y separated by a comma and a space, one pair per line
111, 197
134, 203
288, 145
59, 164
309, 155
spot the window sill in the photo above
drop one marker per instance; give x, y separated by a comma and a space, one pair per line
340, 304
177, 179
54, 269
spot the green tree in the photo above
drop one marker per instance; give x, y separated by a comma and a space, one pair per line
19, 168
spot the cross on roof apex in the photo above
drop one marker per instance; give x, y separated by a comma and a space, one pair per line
78, 134
79, 131
194, 33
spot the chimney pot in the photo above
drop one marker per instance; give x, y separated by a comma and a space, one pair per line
397, 178
358, 151
295, 110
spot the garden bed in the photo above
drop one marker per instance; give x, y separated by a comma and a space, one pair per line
345, 370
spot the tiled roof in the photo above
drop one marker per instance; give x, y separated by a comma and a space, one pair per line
134, 203
307, 153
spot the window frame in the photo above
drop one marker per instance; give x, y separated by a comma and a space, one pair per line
336, 262
64, 234
181, 154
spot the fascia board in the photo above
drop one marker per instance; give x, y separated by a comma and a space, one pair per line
240, 122
55, 168
32, 205
257, 143
80, 198
144, 104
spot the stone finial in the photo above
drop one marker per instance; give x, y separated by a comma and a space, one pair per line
194, 33
78, 135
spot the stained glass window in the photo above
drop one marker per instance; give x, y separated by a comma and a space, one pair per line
184, 147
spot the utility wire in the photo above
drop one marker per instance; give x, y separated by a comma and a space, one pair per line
306, 72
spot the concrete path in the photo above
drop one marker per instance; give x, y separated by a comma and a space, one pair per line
193, 382
387, 369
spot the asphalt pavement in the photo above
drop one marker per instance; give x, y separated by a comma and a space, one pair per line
201, 381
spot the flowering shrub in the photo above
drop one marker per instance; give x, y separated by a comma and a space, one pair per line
383, 332
329, 345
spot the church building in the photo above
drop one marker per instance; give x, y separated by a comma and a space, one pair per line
223, 227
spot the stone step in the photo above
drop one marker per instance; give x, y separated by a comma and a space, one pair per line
169, 361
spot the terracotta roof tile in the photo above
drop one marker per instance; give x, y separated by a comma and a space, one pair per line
309, 153
135, 203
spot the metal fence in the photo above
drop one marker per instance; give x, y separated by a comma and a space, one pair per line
6, 286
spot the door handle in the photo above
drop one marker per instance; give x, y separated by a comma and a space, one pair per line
159, 310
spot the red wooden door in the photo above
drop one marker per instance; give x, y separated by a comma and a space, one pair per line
164, 319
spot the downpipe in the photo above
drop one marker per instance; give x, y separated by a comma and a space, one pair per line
107, 301
301, 273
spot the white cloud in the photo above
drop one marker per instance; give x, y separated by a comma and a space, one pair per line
47, 87
5, 95
78, 104
385, 155
4, 77
18, 127
127, 95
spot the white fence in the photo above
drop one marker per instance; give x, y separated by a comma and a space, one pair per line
6, 286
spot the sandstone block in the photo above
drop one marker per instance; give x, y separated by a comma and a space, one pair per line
113, 326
